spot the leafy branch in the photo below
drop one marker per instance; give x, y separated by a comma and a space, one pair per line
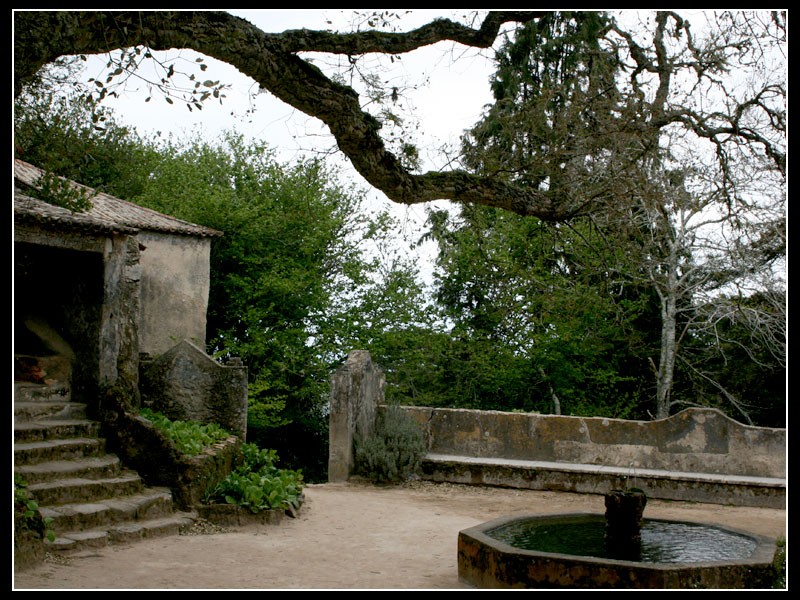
127, 64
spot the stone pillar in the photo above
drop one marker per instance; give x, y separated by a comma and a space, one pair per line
356, 390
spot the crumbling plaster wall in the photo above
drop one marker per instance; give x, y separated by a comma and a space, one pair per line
174, 290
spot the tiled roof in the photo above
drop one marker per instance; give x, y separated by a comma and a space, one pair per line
107, 213
29, 210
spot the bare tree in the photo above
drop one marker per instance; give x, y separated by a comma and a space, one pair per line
695, 255
707, 199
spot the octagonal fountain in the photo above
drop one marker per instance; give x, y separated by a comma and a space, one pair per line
617, 550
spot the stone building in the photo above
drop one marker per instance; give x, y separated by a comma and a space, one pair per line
96, 290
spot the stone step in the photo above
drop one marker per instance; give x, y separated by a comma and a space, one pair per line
40, 392
151, 503
38, 452
82, 490
90, 467
40, 431
90, 499
33, 410
120, 533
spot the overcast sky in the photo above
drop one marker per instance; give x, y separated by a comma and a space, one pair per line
443, 87
450, 94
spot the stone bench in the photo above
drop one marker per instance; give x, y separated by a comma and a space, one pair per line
741, 490
698, 455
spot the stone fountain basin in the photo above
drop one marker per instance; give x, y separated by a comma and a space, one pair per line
486, 562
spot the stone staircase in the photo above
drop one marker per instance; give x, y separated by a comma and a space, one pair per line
92, 499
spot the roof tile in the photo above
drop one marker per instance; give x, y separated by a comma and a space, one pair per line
107, 213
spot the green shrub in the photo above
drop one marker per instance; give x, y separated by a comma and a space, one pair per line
190, 438
26, 512
257, 484
393, 452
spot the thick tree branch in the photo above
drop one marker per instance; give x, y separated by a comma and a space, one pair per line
397, 43
270, 59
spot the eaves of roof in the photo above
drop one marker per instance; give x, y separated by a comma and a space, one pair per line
108, 214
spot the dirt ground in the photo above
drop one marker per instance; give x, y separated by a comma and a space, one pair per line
347, 536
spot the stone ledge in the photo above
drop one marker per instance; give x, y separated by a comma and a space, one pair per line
230, 515
596, 479
692, 441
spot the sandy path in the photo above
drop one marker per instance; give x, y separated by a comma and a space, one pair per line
348, 536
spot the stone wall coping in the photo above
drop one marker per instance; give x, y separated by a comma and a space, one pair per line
609, 470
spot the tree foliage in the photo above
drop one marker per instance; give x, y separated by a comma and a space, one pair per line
58, 126
555, 106
671, 197
642, 188
541, 323
293, 245
291, 239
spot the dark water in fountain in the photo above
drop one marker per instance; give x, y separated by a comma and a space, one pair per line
662, 541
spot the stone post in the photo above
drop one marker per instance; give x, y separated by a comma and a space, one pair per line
356, 390
623, 536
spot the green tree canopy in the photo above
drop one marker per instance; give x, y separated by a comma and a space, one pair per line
596, 125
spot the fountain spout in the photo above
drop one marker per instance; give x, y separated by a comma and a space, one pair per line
623, 532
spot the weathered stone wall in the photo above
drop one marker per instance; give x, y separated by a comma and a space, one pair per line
186, 384
119, 320
694, 440
87, 289
698, 455
357, 388
146, 449
174, 290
